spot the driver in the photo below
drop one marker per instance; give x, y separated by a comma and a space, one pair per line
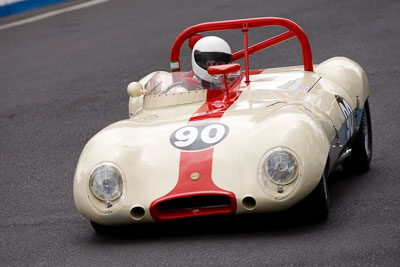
209, 51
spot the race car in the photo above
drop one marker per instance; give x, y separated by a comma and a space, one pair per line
259, 141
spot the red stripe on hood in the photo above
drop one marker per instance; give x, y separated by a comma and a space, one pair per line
218, 101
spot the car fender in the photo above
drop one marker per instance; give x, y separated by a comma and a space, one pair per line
289, 127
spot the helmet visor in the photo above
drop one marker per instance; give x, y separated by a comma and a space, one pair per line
207, 59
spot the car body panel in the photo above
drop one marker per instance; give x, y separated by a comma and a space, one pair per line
312, 112
141, 147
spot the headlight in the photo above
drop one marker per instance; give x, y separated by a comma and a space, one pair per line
106, 183
281, 167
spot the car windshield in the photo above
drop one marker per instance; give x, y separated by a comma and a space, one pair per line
162, 82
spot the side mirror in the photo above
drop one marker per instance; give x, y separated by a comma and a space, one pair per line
135, 89
223, 69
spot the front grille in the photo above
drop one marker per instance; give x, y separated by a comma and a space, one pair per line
179, 206
194, 203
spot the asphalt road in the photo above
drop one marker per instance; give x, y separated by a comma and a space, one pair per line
62, 79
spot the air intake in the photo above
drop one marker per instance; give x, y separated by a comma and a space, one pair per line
178, 207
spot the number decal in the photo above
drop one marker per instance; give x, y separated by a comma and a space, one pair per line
198, 136
348, 114
208, 136
186, 136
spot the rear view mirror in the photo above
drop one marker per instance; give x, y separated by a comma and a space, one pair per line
223, 69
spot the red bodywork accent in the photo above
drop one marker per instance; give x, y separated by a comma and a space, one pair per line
218, 101
200, 162
245, 25
223, 69
245, 30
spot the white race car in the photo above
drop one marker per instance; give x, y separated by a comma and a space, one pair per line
261, 142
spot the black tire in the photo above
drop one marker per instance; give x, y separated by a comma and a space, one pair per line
361, 148
318, 202
101, 229
315, 207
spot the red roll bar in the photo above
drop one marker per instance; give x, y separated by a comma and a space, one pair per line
245, 25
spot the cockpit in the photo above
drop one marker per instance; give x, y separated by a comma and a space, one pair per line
179, 82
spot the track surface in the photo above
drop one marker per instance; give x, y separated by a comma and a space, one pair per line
64, 78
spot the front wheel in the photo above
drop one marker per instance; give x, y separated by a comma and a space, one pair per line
101, 229
318, 201
361, 149
315, 207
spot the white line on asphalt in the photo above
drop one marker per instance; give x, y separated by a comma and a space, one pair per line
52, 13
8, 2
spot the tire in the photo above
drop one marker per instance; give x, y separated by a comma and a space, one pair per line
361, 148
101, 229
318, 202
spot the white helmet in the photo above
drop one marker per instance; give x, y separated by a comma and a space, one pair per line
210, 51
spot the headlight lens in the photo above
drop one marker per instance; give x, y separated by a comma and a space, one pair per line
281, 167
106, 183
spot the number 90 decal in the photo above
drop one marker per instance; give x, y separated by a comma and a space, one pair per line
198, 136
